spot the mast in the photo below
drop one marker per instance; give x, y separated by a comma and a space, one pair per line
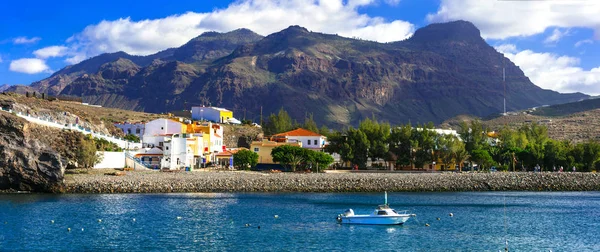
504, 82
385, 203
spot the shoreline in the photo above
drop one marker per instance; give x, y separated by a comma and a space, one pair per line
243, 181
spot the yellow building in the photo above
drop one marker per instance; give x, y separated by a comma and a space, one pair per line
263, 149
212, 137
214, 114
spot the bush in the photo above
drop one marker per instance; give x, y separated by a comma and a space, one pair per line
245, 159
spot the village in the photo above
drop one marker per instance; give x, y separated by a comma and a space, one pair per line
179, 143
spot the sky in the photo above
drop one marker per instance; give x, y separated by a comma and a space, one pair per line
555, 42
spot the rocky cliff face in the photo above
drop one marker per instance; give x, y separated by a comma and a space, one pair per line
444, 70
26, 163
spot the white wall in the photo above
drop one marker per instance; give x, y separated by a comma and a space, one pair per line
131, 128
75, 127
111, 159
162, 127
206, 113
305, 144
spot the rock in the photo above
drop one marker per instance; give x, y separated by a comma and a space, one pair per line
26, 163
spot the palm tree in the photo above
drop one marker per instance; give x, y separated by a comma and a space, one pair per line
461, 156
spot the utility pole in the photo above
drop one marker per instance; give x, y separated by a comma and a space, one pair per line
261, 119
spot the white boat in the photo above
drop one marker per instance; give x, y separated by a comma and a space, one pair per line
383, 215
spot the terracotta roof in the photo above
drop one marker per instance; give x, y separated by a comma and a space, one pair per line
298, 132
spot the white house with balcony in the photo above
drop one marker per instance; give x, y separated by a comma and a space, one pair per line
156, 131
182, 150
132, 128
309, 139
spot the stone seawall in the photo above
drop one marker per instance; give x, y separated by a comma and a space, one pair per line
157, 182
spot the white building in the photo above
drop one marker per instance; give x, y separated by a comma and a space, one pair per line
132, 128
182, 150
214, 114
156, 131
309, 139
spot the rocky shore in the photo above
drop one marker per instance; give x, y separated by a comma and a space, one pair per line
159, 182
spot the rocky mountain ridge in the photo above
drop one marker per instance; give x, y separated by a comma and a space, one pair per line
442, 71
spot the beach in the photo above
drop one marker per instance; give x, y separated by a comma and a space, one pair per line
96, 181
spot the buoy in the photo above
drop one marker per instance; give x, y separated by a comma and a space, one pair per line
99, 220
438, 218
133, 219
247, 225
276, 216
69, 229
81, 229
427, 224
179, 217
52, 221
451, 214
258, 227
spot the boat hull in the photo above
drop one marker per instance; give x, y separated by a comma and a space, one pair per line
374, 220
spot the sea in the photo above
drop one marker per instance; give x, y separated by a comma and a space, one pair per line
464, 221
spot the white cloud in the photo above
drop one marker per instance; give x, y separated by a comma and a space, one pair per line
503, 19
392, 2
25, 40
583, 42
506, 48
149, 36
556, 36
51, 51
551, 71
29, 66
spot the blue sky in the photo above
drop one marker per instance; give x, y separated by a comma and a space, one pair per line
555, 42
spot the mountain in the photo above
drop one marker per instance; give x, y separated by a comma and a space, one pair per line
442, 71
4, 87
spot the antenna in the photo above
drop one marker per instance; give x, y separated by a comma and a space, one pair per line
504, 81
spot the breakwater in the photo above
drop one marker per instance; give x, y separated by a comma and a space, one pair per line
158, 182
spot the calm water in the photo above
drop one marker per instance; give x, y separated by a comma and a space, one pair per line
535, 222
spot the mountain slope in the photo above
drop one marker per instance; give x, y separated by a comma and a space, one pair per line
444, 70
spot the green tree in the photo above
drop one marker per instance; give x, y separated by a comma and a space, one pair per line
400, 144
290, 156
555, 154
277, 123
310, 124
245, 159
461, 156
591, 155
378, 136
474, 136
482, 158
319, 160
325, 131
447, 146
132, 138
358, 145
423, 141
536, 136
87, 154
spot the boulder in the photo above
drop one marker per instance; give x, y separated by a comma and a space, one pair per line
26, 163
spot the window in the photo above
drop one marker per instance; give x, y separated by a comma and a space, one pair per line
316, 142
137, 131
307, 142
381, 213
162, 128
255, 149
128, 131
167, 148
160, 144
